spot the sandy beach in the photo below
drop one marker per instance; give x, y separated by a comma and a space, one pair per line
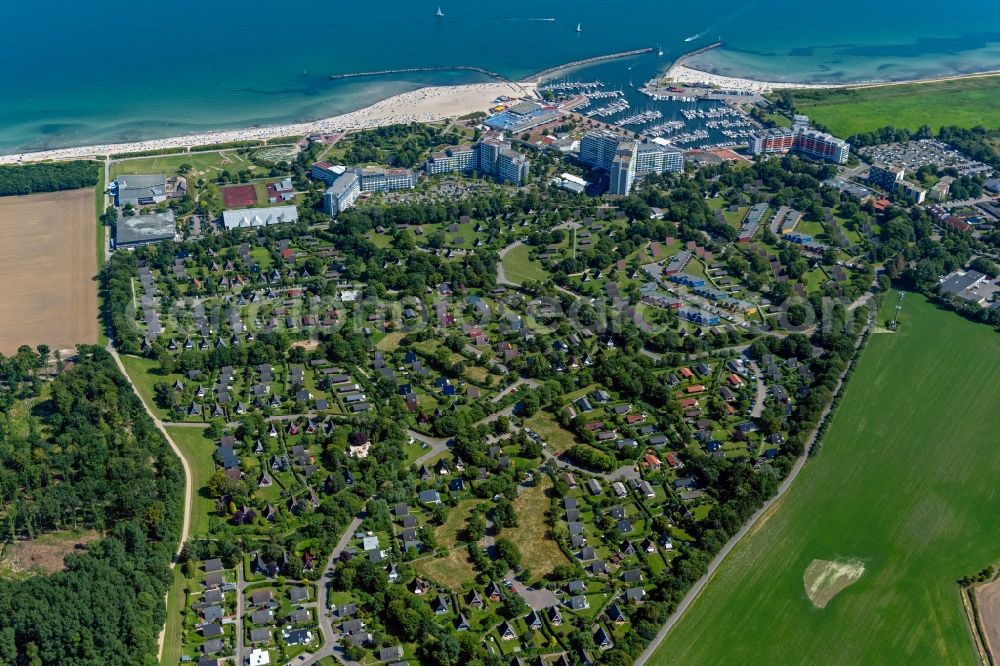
423, 105
684, 75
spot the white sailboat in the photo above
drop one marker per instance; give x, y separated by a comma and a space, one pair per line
439, 12
579, 27
659, 50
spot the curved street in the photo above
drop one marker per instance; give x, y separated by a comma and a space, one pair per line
188, 483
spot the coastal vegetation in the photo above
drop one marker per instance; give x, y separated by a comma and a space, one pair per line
910, 462
966, 102
47, 177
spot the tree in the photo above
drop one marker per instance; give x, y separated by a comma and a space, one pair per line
508, 551
475, 527
512, 606
503, 514
530, 403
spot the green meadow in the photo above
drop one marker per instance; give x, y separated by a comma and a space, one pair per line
963, 102
905, 486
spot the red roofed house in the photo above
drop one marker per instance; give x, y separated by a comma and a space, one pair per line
686, 373
957, 223
674, 461
687, 403
734, 380
651, 461
697, 388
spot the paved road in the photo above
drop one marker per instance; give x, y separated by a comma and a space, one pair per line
323, 600
188, 483
758, 405
513, 387
627, 472
697, 588
240, 599
437, 446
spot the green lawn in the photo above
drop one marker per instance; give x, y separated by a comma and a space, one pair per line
205, 164
174, 631
198, 452
520, 269
905, 484
963, 102
144, 374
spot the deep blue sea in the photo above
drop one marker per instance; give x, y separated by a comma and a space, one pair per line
75, 72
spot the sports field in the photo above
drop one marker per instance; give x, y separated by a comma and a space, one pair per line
858, 563
239, 195
964, 102
48, 264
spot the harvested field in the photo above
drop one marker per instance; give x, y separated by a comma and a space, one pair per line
988, 600
239, 195
825, 578
43, 554
48, 266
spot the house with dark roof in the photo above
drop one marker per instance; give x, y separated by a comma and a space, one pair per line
602, 640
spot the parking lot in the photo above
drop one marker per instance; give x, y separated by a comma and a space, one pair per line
926, 152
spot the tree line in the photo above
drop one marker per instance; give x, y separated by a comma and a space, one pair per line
47, 177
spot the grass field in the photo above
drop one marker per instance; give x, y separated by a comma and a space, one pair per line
454, 571
904, 485
48, 268
538, 552
198, 452
143, 374
206, 164
521, 269
448, 534
174, 628
963, 102
557, 437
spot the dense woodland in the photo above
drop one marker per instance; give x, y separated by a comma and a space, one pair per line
91, 459
47, 177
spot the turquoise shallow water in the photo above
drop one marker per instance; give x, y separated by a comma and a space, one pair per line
75, 73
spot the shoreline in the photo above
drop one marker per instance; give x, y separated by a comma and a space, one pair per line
438, 103
427, 104
683, 74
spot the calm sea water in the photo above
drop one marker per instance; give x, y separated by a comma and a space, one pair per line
82, 72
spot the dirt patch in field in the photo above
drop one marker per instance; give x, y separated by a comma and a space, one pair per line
308, 345
823, 579
44, 554
988, 600
48, 267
